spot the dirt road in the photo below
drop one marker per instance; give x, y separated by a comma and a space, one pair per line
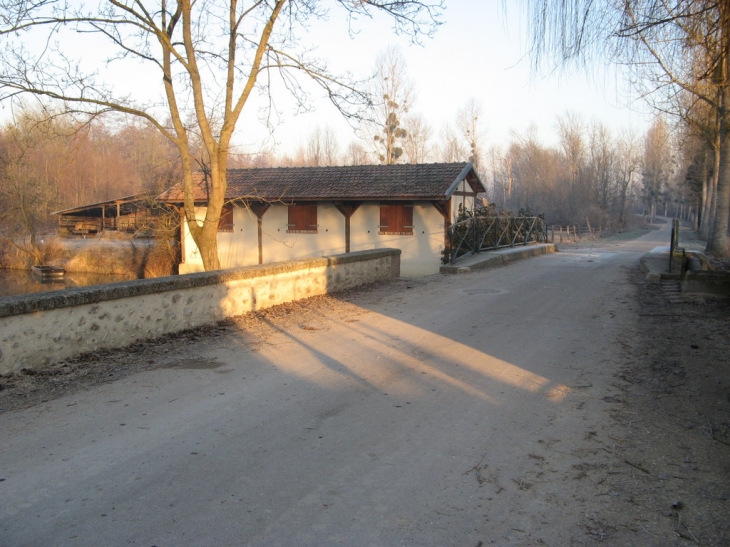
497, 407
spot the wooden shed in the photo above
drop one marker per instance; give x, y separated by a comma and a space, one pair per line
129, 214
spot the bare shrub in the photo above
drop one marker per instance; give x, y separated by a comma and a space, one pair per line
12, 258
53, 250
133, 259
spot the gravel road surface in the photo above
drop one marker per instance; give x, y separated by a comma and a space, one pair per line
466, 410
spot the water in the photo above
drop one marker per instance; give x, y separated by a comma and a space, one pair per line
14, 282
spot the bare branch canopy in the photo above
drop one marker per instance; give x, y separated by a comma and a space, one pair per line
209, 58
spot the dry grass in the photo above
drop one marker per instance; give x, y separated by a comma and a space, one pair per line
136, 259
12, 258
115, 254
53, 250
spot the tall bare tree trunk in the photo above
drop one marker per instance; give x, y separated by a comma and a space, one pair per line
622, 209
704, 209
206, 236
717, 243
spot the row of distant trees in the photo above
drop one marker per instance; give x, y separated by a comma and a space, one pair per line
595, 176
48, 163
678, 56
592, 176
52, 162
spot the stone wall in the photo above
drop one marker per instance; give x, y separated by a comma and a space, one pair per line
37, 330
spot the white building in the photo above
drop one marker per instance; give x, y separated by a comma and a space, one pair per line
280, 214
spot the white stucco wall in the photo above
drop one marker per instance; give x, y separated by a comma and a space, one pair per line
466, 201
191, 256
422, 251
280, 245
239, 247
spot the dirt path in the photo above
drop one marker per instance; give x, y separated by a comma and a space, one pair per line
556, 401
675, 420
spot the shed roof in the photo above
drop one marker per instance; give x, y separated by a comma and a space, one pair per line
428, 181
91, 208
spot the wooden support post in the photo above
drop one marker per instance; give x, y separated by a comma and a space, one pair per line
259, 208
181, 211
444, 207
260, 233
347, 208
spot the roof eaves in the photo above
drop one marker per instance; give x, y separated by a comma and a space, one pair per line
126, 199
461, 176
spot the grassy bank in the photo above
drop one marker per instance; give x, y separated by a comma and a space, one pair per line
109, 253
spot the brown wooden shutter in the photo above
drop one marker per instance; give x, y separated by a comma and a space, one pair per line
396, 219
387, 219
407, 221
225, 223
302, 218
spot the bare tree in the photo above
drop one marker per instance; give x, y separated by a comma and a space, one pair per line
451, 148
571, 130
356, 154
417, 143
500, 168
210, 57
393, 96
25, 198
628, 161
537, 175
670, 46
700, 123
601, 165
313, 150
154, 159
695, 169
656, 165
322, 148
469, 121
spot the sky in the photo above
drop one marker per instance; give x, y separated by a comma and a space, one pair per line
480, 51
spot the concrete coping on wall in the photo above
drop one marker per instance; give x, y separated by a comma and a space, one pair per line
495, 258
28, 303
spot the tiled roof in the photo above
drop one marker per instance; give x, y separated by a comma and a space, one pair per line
427, 181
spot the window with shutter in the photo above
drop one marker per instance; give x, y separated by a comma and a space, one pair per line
302, 219
225, 223
396, 219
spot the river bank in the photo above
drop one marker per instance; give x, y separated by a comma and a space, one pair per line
104, 258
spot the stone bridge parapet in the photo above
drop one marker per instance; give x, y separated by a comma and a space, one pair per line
37, 330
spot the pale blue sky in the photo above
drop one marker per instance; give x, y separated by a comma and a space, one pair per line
479, 51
